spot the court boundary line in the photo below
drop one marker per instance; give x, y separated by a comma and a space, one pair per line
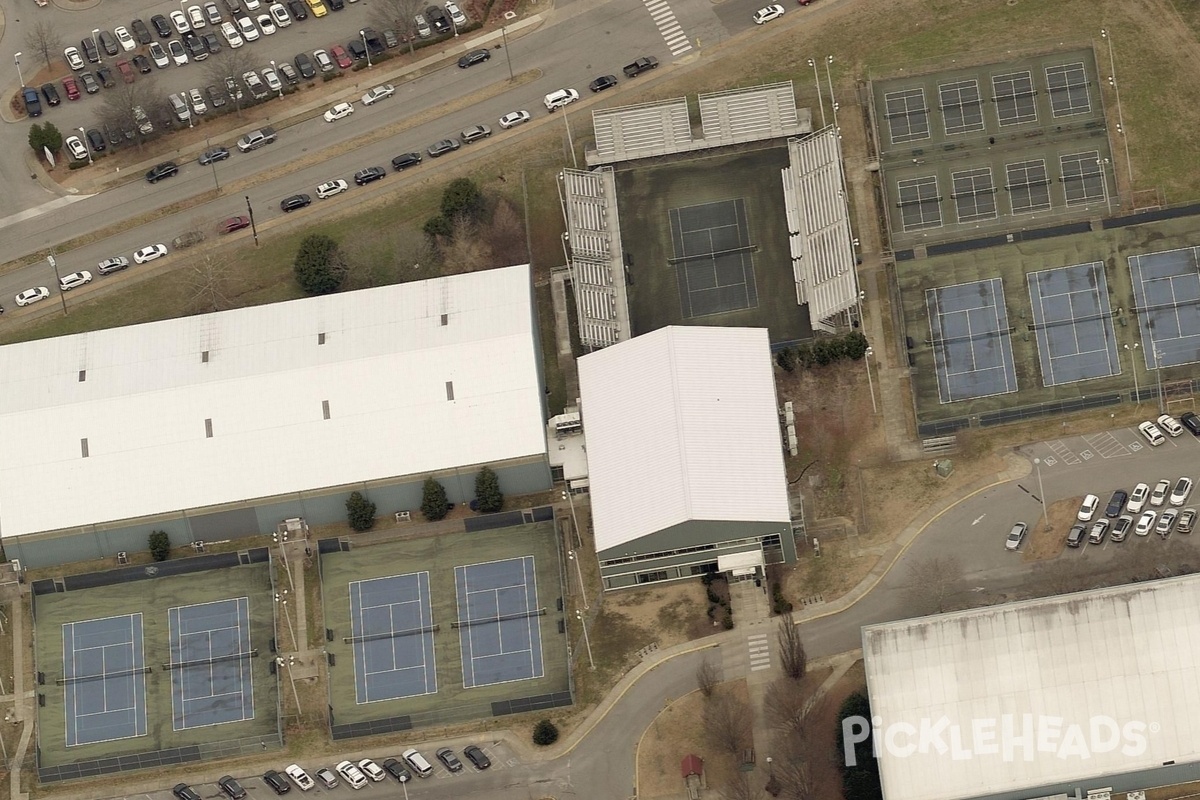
72, 688
528, 566
244, 669
424, 601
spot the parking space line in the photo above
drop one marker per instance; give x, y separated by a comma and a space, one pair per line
1107, 445
1064, 452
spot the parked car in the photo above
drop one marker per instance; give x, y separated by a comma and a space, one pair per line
305, 65
1015, 536
603, 82
229, 226
324, 62
289, 73
159, 56
247, 29
371, 770
352, 774
318, 8
51, 94
764, 15
447, 757
422, 26
1098, 531
327, 778
90, 51
1159, 495
514, 118
95, 140
1152, 434
166, 169
275, 780
272, 80
331, 188
369, 175
1116, 504
299, 777
356, 49
339, 111
125, 39
298, 9
31, 296
1191, 421
140, 32
73, 58
397, 770
196, 17
180, 22
438, 19
559, 98
1087, 508
194, 46
197, 101
109, 266
161, 26
33, 104
1181, 492
1171, 425
1137, 500
228, 784
76, 148
71, 88
456, 14
185, 792
108, 43
1166, 522
141, 63
213, 154
405, 160
149, 253
390, 40
338, 54
1145, 523
475, 132
216, 97
279, 15
90, 84
211, 43
266, 24
126, 70
1121, 528
213, 13
1187, 520
294, 202
255, 84
232, 37
105, 76
378, 93
234, 90
440, 148
477, 756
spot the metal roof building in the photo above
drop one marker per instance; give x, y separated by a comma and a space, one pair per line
222, 425
685, 460
1092, 691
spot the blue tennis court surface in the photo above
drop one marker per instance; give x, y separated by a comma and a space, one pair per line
1166, 288
104, 676
391, 621
499, 622
971, 339
1074, 323
211, 681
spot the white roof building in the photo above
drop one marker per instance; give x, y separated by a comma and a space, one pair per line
682, 424
262, 401
1034, 697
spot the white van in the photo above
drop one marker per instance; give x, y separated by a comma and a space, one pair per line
559, 98
1152, 433
417, 761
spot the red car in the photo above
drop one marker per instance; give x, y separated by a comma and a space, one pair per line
234, 224
71, 87
126, 70
339, 55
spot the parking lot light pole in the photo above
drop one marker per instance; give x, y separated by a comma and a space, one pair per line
832, 103
1037, 463
1162, 406
213, 164
17, 61
276, 74
253, 228
1137, 395
507, 57
870, 383
95, 41
1112, 81
586, 640
86, 146
366, 47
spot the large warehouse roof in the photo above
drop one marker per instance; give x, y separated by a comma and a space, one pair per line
269, 400
1130, 654
681, 424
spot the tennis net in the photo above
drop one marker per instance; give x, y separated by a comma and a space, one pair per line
467, 623
200, 662
103, 676
373, 637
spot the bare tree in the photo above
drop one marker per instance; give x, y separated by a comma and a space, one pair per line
123, 103
506, 233
791, 648
391, 254
741, 786
230, 63
466, 250
1061, 576
400, 16
785, 704
727, 720
792, 761
209, 277
45, 40
933, 581
708, 675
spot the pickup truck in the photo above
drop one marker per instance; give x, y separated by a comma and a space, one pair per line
256, 139
643, 64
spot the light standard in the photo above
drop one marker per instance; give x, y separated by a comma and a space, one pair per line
17, 61
1112, 81
61, 294
1037, 463
571, 554
86, 146
1162, 408
586, 640
1137, 394
187, 101
253, 228
832, 103
455, 24
870, 383
96, 43
367, 47
278, 82
507, 57
289, 662
213, 164
570, 141
817, 81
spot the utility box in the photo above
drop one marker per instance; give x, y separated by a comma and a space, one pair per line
944, 467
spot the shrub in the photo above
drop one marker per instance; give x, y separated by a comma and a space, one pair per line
488, 496
545, 733
434, 505
463, 198
160, 545
728, 622
319, 266
786, 359
360, 512
713, 597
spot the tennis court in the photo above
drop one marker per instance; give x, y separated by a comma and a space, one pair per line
907, 115
104, 672
498, 621
391, 625
1068, 85
1166, 289
1073, 319
713, 258
211, 682
961, 107
972, 341
1014, 96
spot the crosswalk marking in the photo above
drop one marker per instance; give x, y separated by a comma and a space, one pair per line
668, 26
760, 651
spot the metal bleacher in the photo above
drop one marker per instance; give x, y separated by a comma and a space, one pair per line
649, 129
597, 259
821, 242
747, 115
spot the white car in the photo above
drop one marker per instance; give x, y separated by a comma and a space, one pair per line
149, 253
299, 777
1183, 488
559, 98
1087, 509
456, 13
280, 15
248, 30
372, 770
340, 111
324, 62
1137, 499
69, 282
378, 93
1170, 425
767, 14
272, 79
1145, 523
180, 22
196, 17
178, 54
330, 188
266, 23
251, 5
513, 119
213, 13
78, 149
74, 60
230, 32
351, 774
1159, 495
125, 38
32, 295
1152, 433
110, 265
197, 101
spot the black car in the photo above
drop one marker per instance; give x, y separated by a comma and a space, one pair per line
161, 26
231, 787
195, 46
1191, 422
109, 43
1116, 504
142, 63
33, 105
298, 8
335, 5
356, 49
163, 170
447, 757
305, 65
477, 757
438, 19
50, 92
216, 98
215, 154
474, 57
105, 76
294, 202
290, 76
603, 82
373, 39
397, 770
89, 50
96, 140
211, 42
365, 176
440, 148
140, 32
1077, 534
278, 783
185, 792
406, 160
90, 84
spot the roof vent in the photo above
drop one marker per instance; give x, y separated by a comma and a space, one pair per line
204, 357
83, 447
445, 320
325, 408
82, 375
321, 338
449, 390
208, 428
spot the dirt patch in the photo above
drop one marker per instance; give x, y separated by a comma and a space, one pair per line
673, 613
1046, 541
1176, 792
